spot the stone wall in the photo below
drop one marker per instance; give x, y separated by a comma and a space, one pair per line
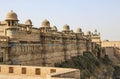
39, 48
45, 45
42, 54
19, 35
35, 72
112, 49
108, 43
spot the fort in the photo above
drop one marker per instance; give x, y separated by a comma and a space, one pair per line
23, 44
24, 49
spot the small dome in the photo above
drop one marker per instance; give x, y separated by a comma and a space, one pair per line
11, 16
45, 23
71, 31
54, 28
79, 30
95, 30
88, 33
66, 27
83, 33
28, 22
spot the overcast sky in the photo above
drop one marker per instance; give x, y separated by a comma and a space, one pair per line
103, 15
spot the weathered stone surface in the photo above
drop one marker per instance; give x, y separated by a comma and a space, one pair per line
37, 72
26, 45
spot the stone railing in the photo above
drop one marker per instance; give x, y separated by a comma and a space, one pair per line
41, 72
71, 74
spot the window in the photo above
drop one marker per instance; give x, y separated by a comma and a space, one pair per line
1, 59
10, 69
52, 70
23, 70
12, 23
9, 23
37, 71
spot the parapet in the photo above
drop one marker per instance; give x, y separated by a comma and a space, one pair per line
35, 72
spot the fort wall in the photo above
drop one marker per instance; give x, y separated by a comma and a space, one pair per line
45, 45
112, 49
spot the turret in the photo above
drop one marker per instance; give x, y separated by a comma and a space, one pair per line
11, 19
66, 28
45, 26
88, 34
54, 29
79, 31
12, 24
28, 24
96, 37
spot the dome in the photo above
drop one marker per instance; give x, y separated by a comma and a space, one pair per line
79, 30
11, 16
54, 28
66, 27
28, 22
71, 31
45, 23
88, 33
95, 31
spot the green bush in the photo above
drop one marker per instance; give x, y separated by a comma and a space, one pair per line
87, 63
106, 60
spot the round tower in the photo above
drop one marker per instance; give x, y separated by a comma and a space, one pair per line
11, 19
45, 26
79, 30
45, 23
66, 28
88, 33
12, 24
28, 24
54, 29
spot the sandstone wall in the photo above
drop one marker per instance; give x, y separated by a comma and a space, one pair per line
43, 54
26, 36
35, 72
111, 52
36, 48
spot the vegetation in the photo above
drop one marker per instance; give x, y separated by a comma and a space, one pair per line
85, 63
90, 65
116, 72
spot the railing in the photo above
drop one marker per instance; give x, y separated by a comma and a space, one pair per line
42, 72
71, 74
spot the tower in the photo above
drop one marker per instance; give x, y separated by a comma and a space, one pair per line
45, 26
96, 37
28, 24
54, 29
12, 24
88, 34
66, 29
